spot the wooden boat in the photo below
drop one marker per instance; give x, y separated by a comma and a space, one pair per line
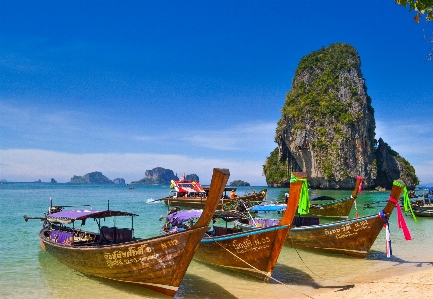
191, 194
337, 208
353, 237
157, 263
252, 252
426, 212
422, 206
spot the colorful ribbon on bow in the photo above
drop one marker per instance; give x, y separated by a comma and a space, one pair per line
406, 202
304, 201
388, 234
358, 178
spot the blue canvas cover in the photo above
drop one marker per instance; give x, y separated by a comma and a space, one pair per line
268, 208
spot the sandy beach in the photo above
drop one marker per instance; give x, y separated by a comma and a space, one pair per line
402, 281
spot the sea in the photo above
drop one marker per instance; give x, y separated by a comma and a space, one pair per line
26, 271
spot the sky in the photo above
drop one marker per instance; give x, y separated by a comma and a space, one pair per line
122, 87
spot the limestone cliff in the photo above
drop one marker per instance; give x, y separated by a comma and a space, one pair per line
163, 176
157, 175
327, 128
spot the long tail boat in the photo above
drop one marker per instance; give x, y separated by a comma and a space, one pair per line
337, 208
112, 253
353, 237
424, 212
252, 252
192, 195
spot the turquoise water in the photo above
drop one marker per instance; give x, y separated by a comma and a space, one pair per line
29, 272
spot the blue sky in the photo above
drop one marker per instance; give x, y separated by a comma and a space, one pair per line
125, 86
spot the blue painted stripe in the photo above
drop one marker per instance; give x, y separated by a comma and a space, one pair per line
242, 234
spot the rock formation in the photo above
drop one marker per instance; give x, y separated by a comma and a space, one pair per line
91, 178
239, 183
163, 176
119, 181
157, 175
327, 128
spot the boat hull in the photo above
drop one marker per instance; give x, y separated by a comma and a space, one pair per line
424, 212
158, 263
339, 208
199, 202
352, 237
253, 252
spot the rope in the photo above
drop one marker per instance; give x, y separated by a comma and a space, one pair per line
312, 272
260, 271
400, 220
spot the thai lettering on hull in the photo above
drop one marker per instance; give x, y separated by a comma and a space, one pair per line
246, 245
135, 254
347, 230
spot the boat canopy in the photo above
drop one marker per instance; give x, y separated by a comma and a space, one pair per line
423, 187
184, 215
269, 207
71, 215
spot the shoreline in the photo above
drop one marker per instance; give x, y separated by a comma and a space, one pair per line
396, 281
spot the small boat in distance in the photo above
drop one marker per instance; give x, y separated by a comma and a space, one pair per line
114, 253
192, 194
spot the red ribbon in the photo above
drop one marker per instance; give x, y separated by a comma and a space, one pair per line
400, 220
358, 178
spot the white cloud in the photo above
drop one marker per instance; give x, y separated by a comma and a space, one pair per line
413, 141
249, 137
34, 164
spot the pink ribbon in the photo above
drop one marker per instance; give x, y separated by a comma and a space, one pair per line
400, 220
358, 178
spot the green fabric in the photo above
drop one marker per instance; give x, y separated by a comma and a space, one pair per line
406, 201
304, 201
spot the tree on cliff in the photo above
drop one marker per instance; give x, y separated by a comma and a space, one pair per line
276, 171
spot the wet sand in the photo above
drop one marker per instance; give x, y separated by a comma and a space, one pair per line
399, 282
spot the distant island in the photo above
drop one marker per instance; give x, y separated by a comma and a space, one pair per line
163, 176
239, 183
95, 177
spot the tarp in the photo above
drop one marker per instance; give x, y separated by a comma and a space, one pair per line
184, 215
270, 207
84, 214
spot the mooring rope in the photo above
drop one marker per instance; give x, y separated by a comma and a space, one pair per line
260, 271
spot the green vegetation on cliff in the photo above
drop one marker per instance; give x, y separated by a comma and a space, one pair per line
327, 128
314, 96
275, 171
